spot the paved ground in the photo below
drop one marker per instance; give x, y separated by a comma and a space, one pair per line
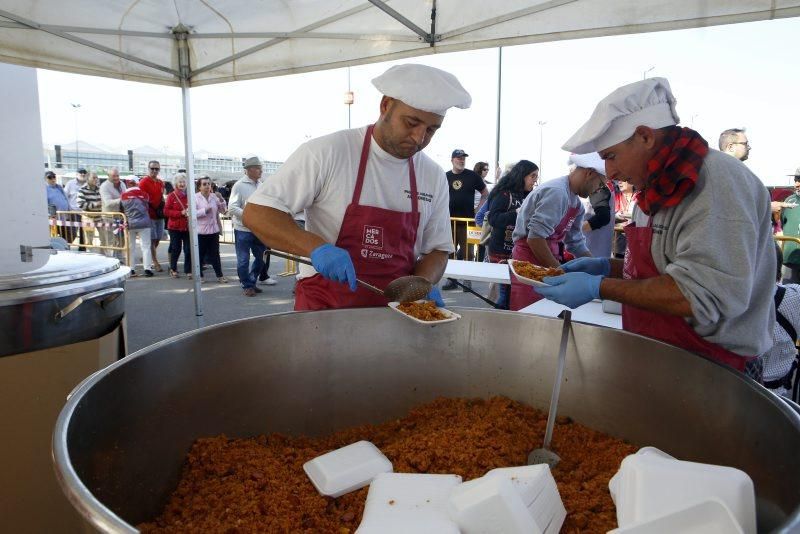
161, 307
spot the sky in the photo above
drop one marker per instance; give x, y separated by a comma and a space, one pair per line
741, 75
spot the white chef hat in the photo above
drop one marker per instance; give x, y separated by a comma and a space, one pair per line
424, 88
592, 160
645, 103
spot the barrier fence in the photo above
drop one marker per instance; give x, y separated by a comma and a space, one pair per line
467, 234
100, 230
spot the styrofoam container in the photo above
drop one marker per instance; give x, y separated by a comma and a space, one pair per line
612, 306
537, 488
400, 503
707, 517
346, 469
490, 505
652, 484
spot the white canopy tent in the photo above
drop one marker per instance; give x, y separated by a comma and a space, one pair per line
189, 43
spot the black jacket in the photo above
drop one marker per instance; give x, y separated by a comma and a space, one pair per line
502, 216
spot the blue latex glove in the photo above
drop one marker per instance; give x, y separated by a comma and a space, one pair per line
595, 266
571, 289
335, 264
436, 296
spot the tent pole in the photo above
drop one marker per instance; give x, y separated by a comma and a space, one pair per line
497, 171
183, 62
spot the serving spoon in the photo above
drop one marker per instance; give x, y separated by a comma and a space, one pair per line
403, 289
545, 455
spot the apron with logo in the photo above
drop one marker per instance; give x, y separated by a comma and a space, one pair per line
380, 243
523, 295
671, 329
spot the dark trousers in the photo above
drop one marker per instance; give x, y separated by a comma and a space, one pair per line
265, 269
209, 249
503, 290
247, 243
460, 241
179, 240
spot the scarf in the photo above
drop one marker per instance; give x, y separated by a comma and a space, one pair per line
673, 170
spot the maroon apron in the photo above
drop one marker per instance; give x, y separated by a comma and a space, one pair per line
380, 243
671, 329
523, 295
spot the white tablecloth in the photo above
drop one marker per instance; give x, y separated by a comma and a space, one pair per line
477, 271
591, 312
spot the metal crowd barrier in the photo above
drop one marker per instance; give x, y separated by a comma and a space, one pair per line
103, 226
227, 235
473, 236
783, 239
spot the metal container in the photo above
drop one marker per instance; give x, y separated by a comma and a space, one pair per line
72, 297
120, 441
60, 320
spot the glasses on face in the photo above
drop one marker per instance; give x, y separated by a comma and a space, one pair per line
745, 143
155, 169
50, 177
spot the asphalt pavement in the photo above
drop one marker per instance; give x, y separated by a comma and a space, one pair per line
161, 307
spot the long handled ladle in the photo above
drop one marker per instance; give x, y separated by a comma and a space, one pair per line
403, 289
545, 455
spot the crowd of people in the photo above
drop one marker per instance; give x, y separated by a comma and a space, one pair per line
142, 209
648, 215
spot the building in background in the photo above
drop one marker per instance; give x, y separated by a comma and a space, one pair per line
68, 158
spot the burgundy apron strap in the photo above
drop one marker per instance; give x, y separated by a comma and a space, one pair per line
412, 177
362, 165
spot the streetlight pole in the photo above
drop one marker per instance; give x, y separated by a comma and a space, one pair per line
541, 143
76, 107
644, 74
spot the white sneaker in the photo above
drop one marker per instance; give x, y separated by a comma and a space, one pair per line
268, 282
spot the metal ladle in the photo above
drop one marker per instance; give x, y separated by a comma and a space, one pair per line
403, 289
544, 455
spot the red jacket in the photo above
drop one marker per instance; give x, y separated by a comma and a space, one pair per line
176, 203
155, 190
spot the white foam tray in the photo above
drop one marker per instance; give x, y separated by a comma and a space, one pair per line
346, 469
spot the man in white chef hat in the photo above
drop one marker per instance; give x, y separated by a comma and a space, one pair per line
376, 206
699, 267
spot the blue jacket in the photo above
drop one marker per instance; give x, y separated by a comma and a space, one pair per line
56, 199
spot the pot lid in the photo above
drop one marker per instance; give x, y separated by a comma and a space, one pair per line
55, 267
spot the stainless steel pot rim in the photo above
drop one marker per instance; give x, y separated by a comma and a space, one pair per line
61, 267
64, 289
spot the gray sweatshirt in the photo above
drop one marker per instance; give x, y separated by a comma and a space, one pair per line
544, 208
717, 245
240, 192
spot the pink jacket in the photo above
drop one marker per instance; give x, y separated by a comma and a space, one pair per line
207, 214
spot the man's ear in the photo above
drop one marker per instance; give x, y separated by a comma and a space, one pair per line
385, 103
647, 136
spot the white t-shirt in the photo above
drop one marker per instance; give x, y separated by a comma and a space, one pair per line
320, 177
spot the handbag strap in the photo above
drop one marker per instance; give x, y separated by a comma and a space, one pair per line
179, 200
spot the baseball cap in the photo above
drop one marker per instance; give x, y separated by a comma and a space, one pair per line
458, 153
81, 171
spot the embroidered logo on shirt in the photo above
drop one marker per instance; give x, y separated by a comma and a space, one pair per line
373, 237
457, 184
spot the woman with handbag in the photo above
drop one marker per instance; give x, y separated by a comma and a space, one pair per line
504, 200
208, 226
176, 211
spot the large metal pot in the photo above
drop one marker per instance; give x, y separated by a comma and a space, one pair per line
66, 297
120, 441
